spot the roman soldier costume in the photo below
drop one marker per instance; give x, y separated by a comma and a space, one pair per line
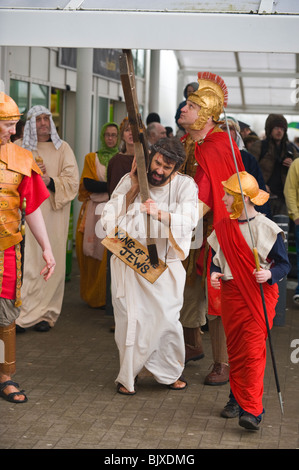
18, 179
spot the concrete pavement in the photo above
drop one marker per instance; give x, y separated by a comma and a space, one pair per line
69, 372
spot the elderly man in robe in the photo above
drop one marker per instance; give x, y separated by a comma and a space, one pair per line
42, 306
148, 331
154, 132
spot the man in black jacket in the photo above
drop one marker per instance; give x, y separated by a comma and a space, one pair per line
275, 154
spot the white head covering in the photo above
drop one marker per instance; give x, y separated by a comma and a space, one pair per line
239, 141
30, 134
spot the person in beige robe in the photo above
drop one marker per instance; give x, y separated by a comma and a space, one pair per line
42, 304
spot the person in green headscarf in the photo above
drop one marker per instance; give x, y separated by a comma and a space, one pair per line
109, 138
91, 254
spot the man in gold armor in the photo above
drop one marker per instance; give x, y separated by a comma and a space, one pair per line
209, 161
20, 180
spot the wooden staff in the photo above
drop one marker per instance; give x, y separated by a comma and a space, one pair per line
24, 203
140, 142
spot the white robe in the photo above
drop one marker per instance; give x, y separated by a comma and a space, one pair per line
42, 300
148, 331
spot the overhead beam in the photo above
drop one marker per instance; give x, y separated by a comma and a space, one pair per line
262, 109
242, 74
173, 30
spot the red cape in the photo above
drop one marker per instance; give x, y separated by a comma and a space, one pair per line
243, 318
215, 164
241, 262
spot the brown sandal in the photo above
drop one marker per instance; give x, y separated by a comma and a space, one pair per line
11, 396
123, 391
181, 379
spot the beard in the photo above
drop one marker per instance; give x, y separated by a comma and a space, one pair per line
44, 131
155, 179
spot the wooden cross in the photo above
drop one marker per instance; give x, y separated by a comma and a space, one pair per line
140, 142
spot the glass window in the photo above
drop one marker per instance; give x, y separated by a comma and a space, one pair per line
103, 116
39, 95
139, 62
19, 91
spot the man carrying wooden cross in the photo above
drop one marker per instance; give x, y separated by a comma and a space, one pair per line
148, 331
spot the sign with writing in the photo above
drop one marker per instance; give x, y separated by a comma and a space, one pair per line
133, 253
105, 61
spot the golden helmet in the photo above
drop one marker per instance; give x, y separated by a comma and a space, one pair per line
9, 110
211, 96
249, 185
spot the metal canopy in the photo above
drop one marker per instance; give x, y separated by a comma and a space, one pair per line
233, 6
253, 45
257, 82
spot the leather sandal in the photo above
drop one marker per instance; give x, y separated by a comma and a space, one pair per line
124, 391
181, 379
11, 396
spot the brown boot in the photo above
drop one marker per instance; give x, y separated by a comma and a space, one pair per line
220, 372
219, 375
193, 354
193, 344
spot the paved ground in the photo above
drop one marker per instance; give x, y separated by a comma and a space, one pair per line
69, 375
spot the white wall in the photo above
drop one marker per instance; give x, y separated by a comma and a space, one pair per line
39, 65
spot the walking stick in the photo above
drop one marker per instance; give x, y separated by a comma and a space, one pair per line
257, 264
23, 235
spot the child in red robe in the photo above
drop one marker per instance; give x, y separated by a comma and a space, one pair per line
234, 271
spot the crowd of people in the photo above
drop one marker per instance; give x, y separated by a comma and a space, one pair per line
215, 177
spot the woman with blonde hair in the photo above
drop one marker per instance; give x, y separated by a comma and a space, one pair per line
121, 163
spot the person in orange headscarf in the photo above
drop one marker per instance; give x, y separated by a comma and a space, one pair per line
20, 179
235, 274
93, 193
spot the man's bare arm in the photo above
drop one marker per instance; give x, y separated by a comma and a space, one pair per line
203, 208
134, 190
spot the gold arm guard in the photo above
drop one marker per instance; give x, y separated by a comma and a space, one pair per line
8, 349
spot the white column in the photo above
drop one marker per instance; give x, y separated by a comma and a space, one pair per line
4, 73
83, 104
153, 105
83, 111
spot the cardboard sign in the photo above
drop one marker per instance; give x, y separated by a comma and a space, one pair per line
133, 253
